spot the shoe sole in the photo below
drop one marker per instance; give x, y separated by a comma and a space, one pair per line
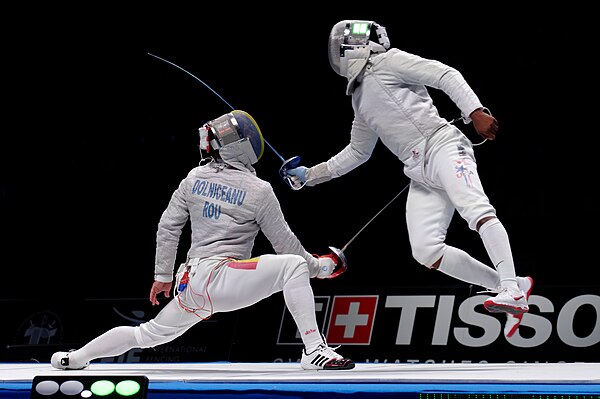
499, 308
327, 367
347, 366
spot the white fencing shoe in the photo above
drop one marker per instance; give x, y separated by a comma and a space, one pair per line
325, 358
508, 300
60, 360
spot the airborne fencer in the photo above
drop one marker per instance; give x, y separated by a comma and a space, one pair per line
227, 205
388, 88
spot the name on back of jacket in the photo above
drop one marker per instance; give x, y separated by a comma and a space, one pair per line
217, 192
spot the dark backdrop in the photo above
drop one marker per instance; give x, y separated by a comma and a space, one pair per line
99, 133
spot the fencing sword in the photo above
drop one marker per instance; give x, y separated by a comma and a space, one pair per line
340, 252
287, 163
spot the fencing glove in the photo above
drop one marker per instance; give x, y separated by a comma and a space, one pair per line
327, 264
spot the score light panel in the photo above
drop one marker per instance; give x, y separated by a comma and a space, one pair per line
89, 386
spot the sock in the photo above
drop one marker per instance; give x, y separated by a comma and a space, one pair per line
114, 342
460, 265
495, 239
300, 301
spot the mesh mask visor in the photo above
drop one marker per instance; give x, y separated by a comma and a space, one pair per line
356, 34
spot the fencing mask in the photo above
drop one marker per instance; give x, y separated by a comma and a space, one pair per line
350, 47
235, 135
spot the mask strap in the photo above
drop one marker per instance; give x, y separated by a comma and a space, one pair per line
204, 138
382, 36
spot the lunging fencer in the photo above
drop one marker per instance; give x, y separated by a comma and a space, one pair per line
391, 103
227, 205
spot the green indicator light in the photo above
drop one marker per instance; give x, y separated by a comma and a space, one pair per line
102, 388
128, 388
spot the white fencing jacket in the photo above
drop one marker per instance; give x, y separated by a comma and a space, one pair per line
391, 103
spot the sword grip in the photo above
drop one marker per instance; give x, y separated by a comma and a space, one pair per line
290, 164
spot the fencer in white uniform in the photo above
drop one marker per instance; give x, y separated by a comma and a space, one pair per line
391, 103
226, 205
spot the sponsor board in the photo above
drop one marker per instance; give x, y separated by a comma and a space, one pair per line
404, 325
447, 327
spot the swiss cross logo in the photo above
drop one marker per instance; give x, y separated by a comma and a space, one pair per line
351, 320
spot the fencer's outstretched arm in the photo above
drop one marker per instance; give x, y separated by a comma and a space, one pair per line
358, 151
276, 229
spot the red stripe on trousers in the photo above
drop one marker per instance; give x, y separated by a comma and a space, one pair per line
242, 265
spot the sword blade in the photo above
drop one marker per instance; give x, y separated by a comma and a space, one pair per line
373, 218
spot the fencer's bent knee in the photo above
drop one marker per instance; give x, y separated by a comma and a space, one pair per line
295, 266
428, 254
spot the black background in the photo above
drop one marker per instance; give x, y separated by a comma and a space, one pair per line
98, 134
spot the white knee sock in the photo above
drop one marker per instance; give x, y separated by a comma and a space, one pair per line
114, 342
495, 239
300, 301
459, 264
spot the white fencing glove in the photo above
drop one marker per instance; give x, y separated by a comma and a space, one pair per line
327, 264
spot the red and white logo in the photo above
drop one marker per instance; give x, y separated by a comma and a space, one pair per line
351, 320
